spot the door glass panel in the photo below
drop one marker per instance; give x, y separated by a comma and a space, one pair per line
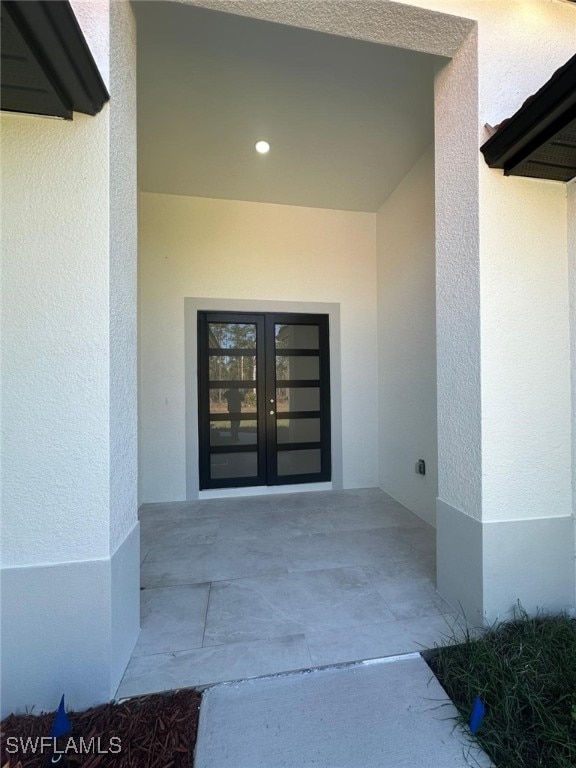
297, 399
230, 465
232, 335
233, 400
253, 428
298, 368
230, 368
298, 430
304, 462
296, 336
233, 432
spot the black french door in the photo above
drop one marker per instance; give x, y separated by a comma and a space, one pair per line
264, 399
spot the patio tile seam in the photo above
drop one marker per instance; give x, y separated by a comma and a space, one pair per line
257, 536
171, 652
145, 556
206, 614
281, 571
291, 573
310, 631
176, 586
307, 632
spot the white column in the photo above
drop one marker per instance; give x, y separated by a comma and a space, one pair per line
572, 288
505, 532
70, 543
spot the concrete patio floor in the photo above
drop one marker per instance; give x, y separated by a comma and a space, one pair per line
237, 588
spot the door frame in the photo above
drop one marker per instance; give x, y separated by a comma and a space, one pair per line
192, 305
266, 384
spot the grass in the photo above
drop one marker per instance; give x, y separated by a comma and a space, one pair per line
525, 672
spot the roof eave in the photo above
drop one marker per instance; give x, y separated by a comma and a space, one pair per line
51, 32
550, 110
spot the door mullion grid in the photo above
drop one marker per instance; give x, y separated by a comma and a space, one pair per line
204, 402
271, 462
266, 390
261, 399
325, 426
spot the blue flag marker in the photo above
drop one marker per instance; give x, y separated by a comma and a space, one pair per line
62, 725
478, 712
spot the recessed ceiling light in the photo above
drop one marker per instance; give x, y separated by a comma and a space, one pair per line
262, 147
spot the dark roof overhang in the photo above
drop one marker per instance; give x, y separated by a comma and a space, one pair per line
47, 67
540, 139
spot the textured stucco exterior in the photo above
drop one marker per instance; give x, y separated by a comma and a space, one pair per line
504, 450
237, 250
504, 285
571, 230
407, 341
123, 238
55, 385
70, 537
484, 83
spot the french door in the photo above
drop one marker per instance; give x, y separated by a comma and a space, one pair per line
264, 399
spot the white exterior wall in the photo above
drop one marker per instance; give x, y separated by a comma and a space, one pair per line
196, 247
407, 341
503, 440
55, 357
123, 278
485, 562
523, 529
70, 592
526, 438
571, 232
521, 246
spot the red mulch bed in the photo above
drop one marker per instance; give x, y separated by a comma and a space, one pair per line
156, 731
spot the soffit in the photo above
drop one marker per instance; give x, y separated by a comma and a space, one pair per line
346, 119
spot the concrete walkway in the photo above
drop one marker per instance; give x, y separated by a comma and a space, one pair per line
386, 714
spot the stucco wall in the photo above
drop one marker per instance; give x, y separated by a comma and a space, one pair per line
503, 396
526, 439
522, 302
195, 247
123, 278
407, 340
69, 304
55, 339
571, 204
70, 537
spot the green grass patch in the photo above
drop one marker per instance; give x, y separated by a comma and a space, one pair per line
525, 672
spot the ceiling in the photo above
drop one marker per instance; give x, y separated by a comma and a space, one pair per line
345, 119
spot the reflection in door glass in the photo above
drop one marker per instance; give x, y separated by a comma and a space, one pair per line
232, 368
304, 462
296, 336
226, 465
232, 335
297, 399
232, 400
298, 368
233, 432
298, 430
264, 398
